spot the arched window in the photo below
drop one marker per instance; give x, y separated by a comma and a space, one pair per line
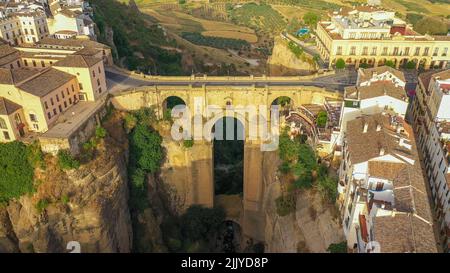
3, 124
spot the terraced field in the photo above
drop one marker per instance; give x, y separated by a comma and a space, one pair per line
260, 17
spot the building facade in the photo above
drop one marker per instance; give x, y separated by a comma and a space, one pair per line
373, 36
431, 116
377, 90
382, 193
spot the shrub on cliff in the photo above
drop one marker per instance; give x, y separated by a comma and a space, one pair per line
66, 161
285, 204
145, 148
16, 170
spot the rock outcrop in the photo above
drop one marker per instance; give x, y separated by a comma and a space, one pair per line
283, 62
311, 228
88, 205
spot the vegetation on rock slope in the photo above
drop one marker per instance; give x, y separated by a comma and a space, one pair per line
138, 41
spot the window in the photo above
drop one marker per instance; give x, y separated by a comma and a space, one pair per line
17, 118
81, 86
33, 118
352, 50
338, 51
25, 62
3, 124
395, 51
34, 63
6, 135
417, 53
435, 52
62, 93
365, 50
73, 90
46, 105
385, 51
35, 126
54, 111
444, 52
49, 115
65, 104
374, 50
406, 53
60, 108
51, 101
93, 73
57, 98
70, 100
99, 70
425, 52
98, 82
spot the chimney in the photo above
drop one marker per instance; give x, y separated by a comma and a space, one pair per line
378, 127
366, 126
381, 151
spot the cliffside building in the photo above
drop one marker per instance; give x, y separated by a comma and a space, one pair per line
382, 192
431, 115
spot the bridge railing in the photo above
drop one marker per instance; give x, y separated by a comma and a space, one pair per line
206, 78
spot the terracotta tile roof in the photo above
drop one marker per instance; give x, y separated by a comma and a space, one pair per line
8, 107
403, 233
8, 54
365, 146
17, 75
78, 61
70, 43
87, 51
368, 73
426, 77
374, 90
46, 82
441, 37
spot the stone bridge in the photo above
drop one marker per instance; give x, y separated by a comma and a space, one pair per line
197, 185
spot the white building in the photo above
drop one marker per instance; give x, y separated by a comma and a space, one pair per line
431, 113
70, 19
377, 90
382, 193
24, 27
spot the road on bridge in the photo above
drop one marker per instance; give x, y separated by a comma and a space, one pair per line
118, 81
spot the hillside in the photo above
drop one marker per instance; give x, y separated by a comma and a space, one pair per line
137, 40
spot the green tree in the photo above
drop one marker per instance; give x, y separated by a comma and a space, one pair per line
389, 63
321, 119
410, 65
145, 148
16, 170
340, 64
199, 222
338, 248
311, 18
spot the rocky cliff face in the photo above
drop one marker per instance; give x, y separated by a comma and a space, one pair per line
283, 62
88, 205
313, 226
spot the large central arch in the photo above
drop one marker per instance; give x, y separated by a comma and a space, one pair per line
228, 156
